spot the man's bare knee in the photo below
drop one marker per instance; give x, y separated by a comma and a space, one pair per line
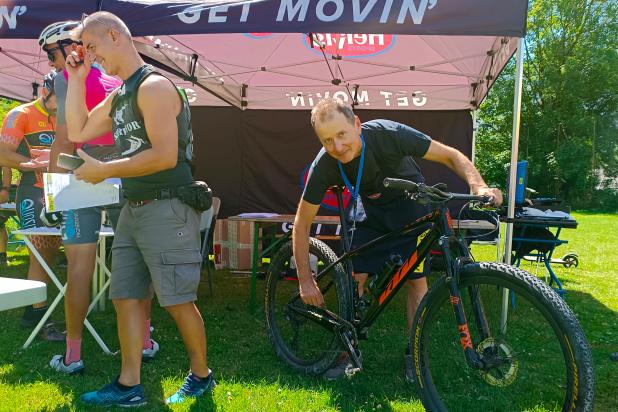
126, 304
179, 309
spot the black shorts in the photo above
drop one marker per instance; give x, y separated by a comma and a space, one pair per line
3, 219
29, 201
382, 219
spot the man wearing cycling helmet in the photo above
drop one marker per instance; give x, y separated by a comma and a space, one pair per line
26, 135
80, 228
359, 156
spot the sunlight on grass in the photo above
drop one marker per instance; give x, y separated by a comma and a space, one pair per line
37, 396
250, 376
6, 369
260, 396
399, 406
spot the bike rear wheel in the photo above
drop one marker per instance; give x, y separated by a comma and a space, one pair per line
541, 357
302, 343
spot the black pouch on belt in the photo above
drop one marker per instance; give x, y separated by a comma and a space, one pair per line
197, 195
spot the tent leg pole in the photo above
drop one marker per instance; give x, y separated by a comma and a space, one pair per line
514, 149
508, 238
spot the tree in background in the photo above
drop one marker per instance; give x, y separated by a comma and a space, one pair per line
5, 106
569, 113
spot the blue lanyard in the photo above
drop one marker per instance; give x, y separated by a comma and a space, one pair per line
348, 185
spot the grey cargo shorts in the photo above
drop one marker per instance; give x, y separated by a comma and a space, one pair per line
157, 246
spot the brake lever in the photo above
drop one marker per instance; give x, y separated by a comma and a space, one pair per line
486, 204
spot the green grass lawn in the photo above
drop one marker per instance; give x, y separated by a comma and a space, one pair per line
251, 378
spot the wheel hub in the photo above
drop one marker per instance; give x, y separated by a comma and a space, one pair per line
503, 365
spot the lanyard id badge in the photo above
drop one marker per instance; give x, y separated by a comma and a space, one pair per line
354, 190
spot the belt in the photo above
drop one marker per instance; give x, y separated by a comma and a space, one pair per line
138, 203
143, 198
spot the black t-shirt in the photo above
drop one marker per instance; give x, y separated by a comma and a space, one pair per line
389, 151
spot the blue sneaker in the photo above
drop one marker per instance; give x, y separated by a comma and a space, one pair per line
192, 388
110, 395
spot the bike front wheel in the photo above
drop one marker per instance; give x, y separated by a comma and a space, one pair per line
303, 343
537, 356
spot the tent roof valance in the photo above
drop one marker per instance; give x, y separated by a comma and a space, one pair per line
287, 54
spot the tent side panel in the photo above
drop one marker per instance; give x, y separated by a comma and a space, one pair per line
254, 160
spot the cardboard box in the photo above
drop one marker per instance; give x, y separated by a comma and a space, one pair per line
233, 243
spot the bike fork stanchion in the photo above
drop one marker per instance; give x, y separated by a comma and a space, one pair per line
452, 280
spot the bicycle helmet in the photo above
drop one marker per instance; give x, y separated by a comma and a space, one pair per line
59, 32
48, 83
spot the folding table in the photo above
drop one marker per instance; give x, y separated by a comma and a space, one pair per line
15, 293
527, 236
99, 267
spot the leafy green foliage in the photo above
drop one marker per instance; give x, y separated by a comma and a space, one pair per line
569, 105
6, 105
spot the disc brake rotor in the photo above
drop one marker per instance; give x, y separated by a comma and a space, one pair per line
503, 374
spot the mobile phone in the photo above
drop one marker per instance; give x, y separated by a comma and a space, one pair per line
69, 162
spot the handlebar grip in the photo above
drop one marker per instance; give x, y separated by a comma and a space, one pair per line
488, 200
400, 184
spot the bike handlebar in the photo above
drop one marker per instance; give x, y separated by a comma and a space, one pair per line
433, 193
400, 184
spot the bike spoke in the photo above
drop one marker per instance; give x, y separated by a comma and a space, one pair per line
305, 340
529, 365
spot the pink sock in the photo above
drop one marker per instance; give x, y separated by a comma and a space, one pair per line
147, 343
74, 351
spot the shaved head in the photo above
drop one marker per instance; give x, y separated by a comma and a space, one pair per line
99, 22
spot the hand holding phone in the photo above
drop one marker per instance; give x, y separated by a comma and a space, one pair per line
69, 162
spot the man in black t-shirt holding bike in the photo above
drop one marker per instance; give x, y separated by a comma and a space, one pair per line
359, 156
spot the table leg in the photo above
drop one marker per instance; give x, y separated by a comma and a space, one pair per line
52, 307
95, 280
553, 278
254, 257
101, 269
44, 264
46, 316
96, 337
55, 280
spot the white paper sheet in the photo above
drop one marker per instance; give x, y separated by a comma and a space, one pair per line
64, 192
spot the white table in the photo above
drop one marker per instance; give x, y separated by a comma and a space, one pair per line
100, 284
15, 293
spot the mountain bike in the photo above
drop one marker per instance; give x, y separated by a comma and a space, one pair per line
487, 336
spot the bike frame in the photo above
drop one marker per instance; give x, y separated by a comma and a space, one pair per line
456, 254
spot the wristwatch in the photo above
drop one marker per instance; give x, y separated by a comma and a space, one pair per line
6, 188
